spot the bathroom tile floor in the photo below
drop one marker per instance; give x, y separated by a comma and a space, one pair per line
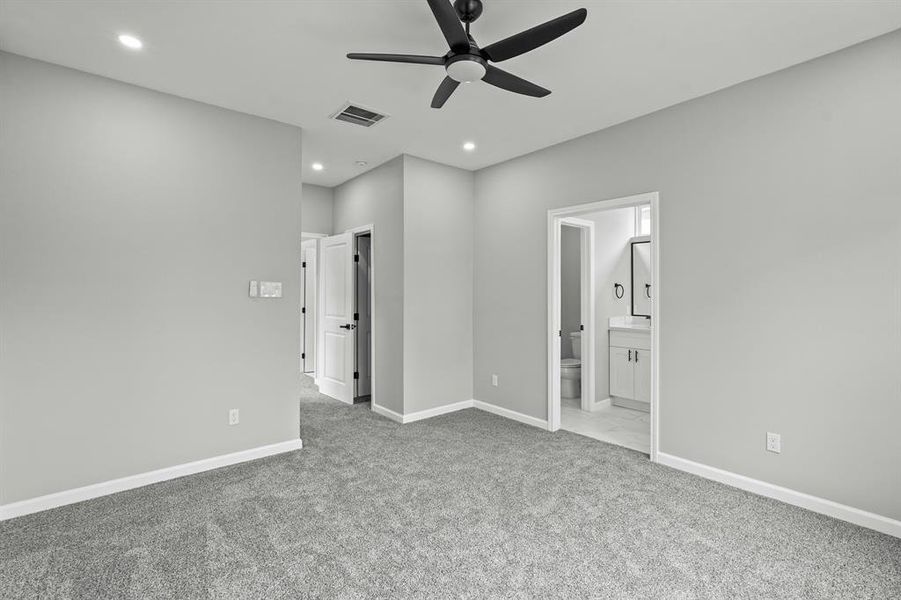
612, 424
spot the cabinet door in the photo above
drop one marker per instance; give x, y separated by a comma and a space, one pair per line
641, 359
622, 379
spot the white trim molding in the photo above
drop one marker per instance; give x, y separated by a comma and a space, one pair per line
510, 414
434, 412
422, 414
462, 405
387, 413
105, 488
595, 405
816, 504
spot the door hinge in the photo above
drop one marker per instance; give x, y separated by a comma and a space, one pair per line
303, 310
356, 258
304, 264
560, 332
356, 316
356, 374
303, 354
581, 328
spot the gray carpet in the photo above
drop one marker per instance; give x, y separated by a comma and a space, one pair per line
467, 505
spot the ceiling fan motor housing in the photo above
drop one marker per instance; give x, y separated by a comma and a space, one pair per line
469, 10
466, 68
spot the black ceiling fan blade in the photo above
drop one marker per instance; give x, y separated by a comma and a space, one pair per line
450, 25
398, 58
444, 92
512, 83
536, 36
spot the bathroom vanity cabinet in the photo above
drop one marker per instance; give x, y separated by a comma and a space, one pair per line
630, 368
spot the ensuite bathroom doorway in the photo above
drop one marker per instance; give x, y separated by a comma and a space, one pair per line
603, 319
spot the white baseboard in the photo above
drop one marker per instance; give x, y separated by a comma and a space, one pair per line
594, 405
33, 505
510, 414
422, 414
387, 413
631, 404
819, 505
434, 412
447, 408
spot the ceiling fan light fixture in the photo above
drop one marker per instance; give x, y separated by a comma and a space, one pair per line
130, 41
466, 68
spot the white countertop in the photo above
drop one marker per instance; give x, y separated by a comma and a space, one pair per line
629, 323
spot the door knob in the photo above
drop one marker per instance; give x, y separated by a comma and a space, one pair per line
348, 326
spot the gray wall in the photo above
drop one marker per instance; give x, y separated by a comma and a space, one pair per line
438, 250
422, 213
781, 271
316, 209
130, 224
570, 286
377, 198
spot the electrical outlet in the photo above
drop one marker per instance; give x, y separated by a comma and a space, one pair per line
233, 416
494, 380
773, 442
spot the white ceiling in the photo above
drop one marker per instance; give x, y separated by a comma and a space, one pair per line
285, 60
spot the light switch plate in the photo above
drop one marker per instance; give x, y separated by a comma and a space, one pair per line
773, 442
270, 289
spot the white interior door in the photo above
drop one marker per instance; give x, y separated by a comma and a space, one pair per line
363, 331
336, 324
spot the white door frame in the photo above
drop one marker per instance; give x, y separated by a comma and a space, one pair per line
309, 317
555, 217
305, 237
370, 229
586, 308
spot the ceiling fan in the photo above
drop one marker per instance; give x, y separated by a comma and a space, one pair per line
466, 62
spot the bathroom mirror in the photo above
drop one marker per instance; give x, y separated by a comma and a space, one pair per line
641, 279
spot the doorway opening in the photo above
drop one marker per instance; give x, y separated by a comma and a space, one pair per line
363, 317
603, 321
309, 291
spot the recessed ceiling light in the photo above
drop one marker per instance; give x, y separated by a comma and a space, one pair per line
469, 146
130, 41
317, 166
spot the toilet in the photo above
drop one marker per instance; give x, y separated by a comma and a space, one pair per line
571, 369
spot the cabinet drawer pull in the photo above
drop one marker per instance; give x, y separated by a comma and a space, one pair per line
630, 356
636, 356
